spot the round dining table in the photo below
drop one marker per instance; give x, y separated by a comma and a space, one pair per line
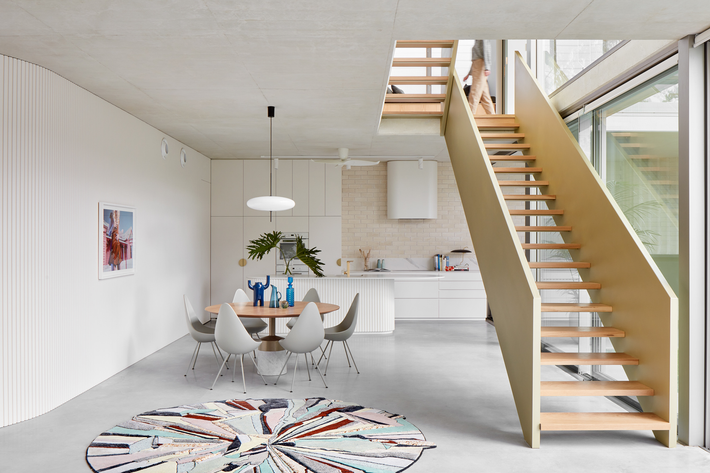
271, 341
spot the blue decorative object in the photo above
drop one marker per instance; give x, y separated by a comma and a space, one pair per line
275, 298
259, 289
289, 292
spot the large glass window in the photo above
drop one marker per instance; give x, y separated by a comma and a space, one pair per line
633, 143
561, 60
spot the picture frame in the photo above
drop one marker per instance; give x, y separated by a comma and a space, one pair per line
116, 240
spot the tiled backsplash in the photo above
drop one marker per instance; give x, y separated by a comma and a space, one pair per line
365, 223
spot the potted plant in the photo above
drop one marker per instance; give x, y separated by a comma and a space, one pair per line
268, 241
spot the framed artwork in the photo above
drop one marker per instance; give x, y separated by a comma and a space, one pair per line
116, 234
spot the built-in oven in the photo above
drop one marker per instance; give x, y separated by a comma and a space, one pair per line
288, 251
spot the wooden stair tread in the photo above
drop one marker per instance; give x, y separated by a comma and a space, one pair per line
415, 43
551, 246
496, 121
502, 136
507, 145
524, 183
414, 98
543, 229
501, 157
412, 109
517, 170
581, 332
418, 80
536, 212
594, 388
529, 197
421, 62
560, 264
575, 307
601, 421
587, 359
568, 285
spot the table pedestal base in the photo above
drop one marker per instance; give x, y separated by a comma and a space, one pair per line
271, 362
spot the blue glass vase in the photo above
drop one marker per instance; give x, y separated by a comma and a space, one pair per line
289, 292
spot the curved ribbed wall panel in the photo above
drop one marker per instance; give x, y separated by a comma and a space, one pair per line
62, 151
376, 311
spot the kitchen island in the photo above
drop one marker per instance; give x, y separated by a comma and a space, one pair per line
386, 296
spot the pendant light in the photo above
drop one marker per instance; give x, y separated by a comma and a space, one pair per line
270, 203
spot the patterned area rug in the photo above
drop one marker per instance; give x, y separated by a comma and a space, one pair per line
260, 436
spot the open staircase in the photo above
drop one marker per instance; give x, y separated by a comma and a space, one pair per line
510, 170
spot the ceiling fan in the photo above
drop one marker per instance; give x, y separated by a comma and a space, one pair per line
344, 160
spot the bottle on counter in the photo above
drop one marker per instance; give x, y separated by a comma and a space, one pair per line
289, 292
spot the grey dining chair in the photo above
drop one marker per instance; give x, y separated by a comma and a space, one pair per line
253, 325
198, 332
341, 333
305, 336
232, 337
311, 296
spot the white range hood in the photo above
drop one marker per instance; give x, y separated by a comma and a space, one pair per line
411, 189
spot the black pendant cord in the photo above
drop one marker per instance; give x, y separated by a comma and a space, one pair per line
271, 158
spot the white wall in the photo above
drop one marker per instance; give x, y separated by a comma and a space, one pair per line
63, 150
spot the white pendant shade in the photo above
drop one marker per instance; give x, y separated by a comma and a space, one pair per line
270, 203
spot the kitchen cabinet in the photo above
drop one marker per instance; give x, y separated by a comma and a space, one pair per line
316, 189
445, 295
227, 234
325, 233
227, 189
300, 187
284, 183
255, 183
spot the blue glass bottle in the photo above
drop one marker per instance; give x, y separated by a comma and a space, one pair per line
289, 292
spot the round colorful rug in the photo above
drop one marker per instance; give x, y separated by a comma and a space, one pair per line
260, 436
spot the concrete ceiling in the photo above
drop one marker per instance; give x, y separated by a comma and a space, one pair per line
204, 71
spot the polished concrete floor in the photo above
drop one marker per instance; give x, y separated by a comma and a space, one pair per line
447, 378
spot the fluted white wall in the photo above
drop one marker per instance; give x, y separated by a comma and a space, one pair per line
62, 151
376, 310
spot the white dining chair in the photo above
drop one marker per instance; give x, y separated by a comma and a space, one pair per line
306, 335
311, 296
232, 337
251, 324
341, 333
198, 332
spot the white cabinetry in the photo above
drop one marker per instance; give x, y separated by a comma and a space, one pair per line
284, 183
300, 188
316, 189
255, 182
225, 273
325, 233
451, 296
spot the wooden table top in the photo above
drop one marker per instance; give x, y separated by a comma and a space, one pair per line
247, 309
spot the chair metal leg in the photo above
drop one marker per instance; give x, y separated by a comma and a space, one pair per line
193, 356
220, 353
305, 356
351, 355
257, 369
323, 353
235, 368
199, 344
219, 373
244, 383
294, 372
330, 352
282, 369
321, 377
346, 355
